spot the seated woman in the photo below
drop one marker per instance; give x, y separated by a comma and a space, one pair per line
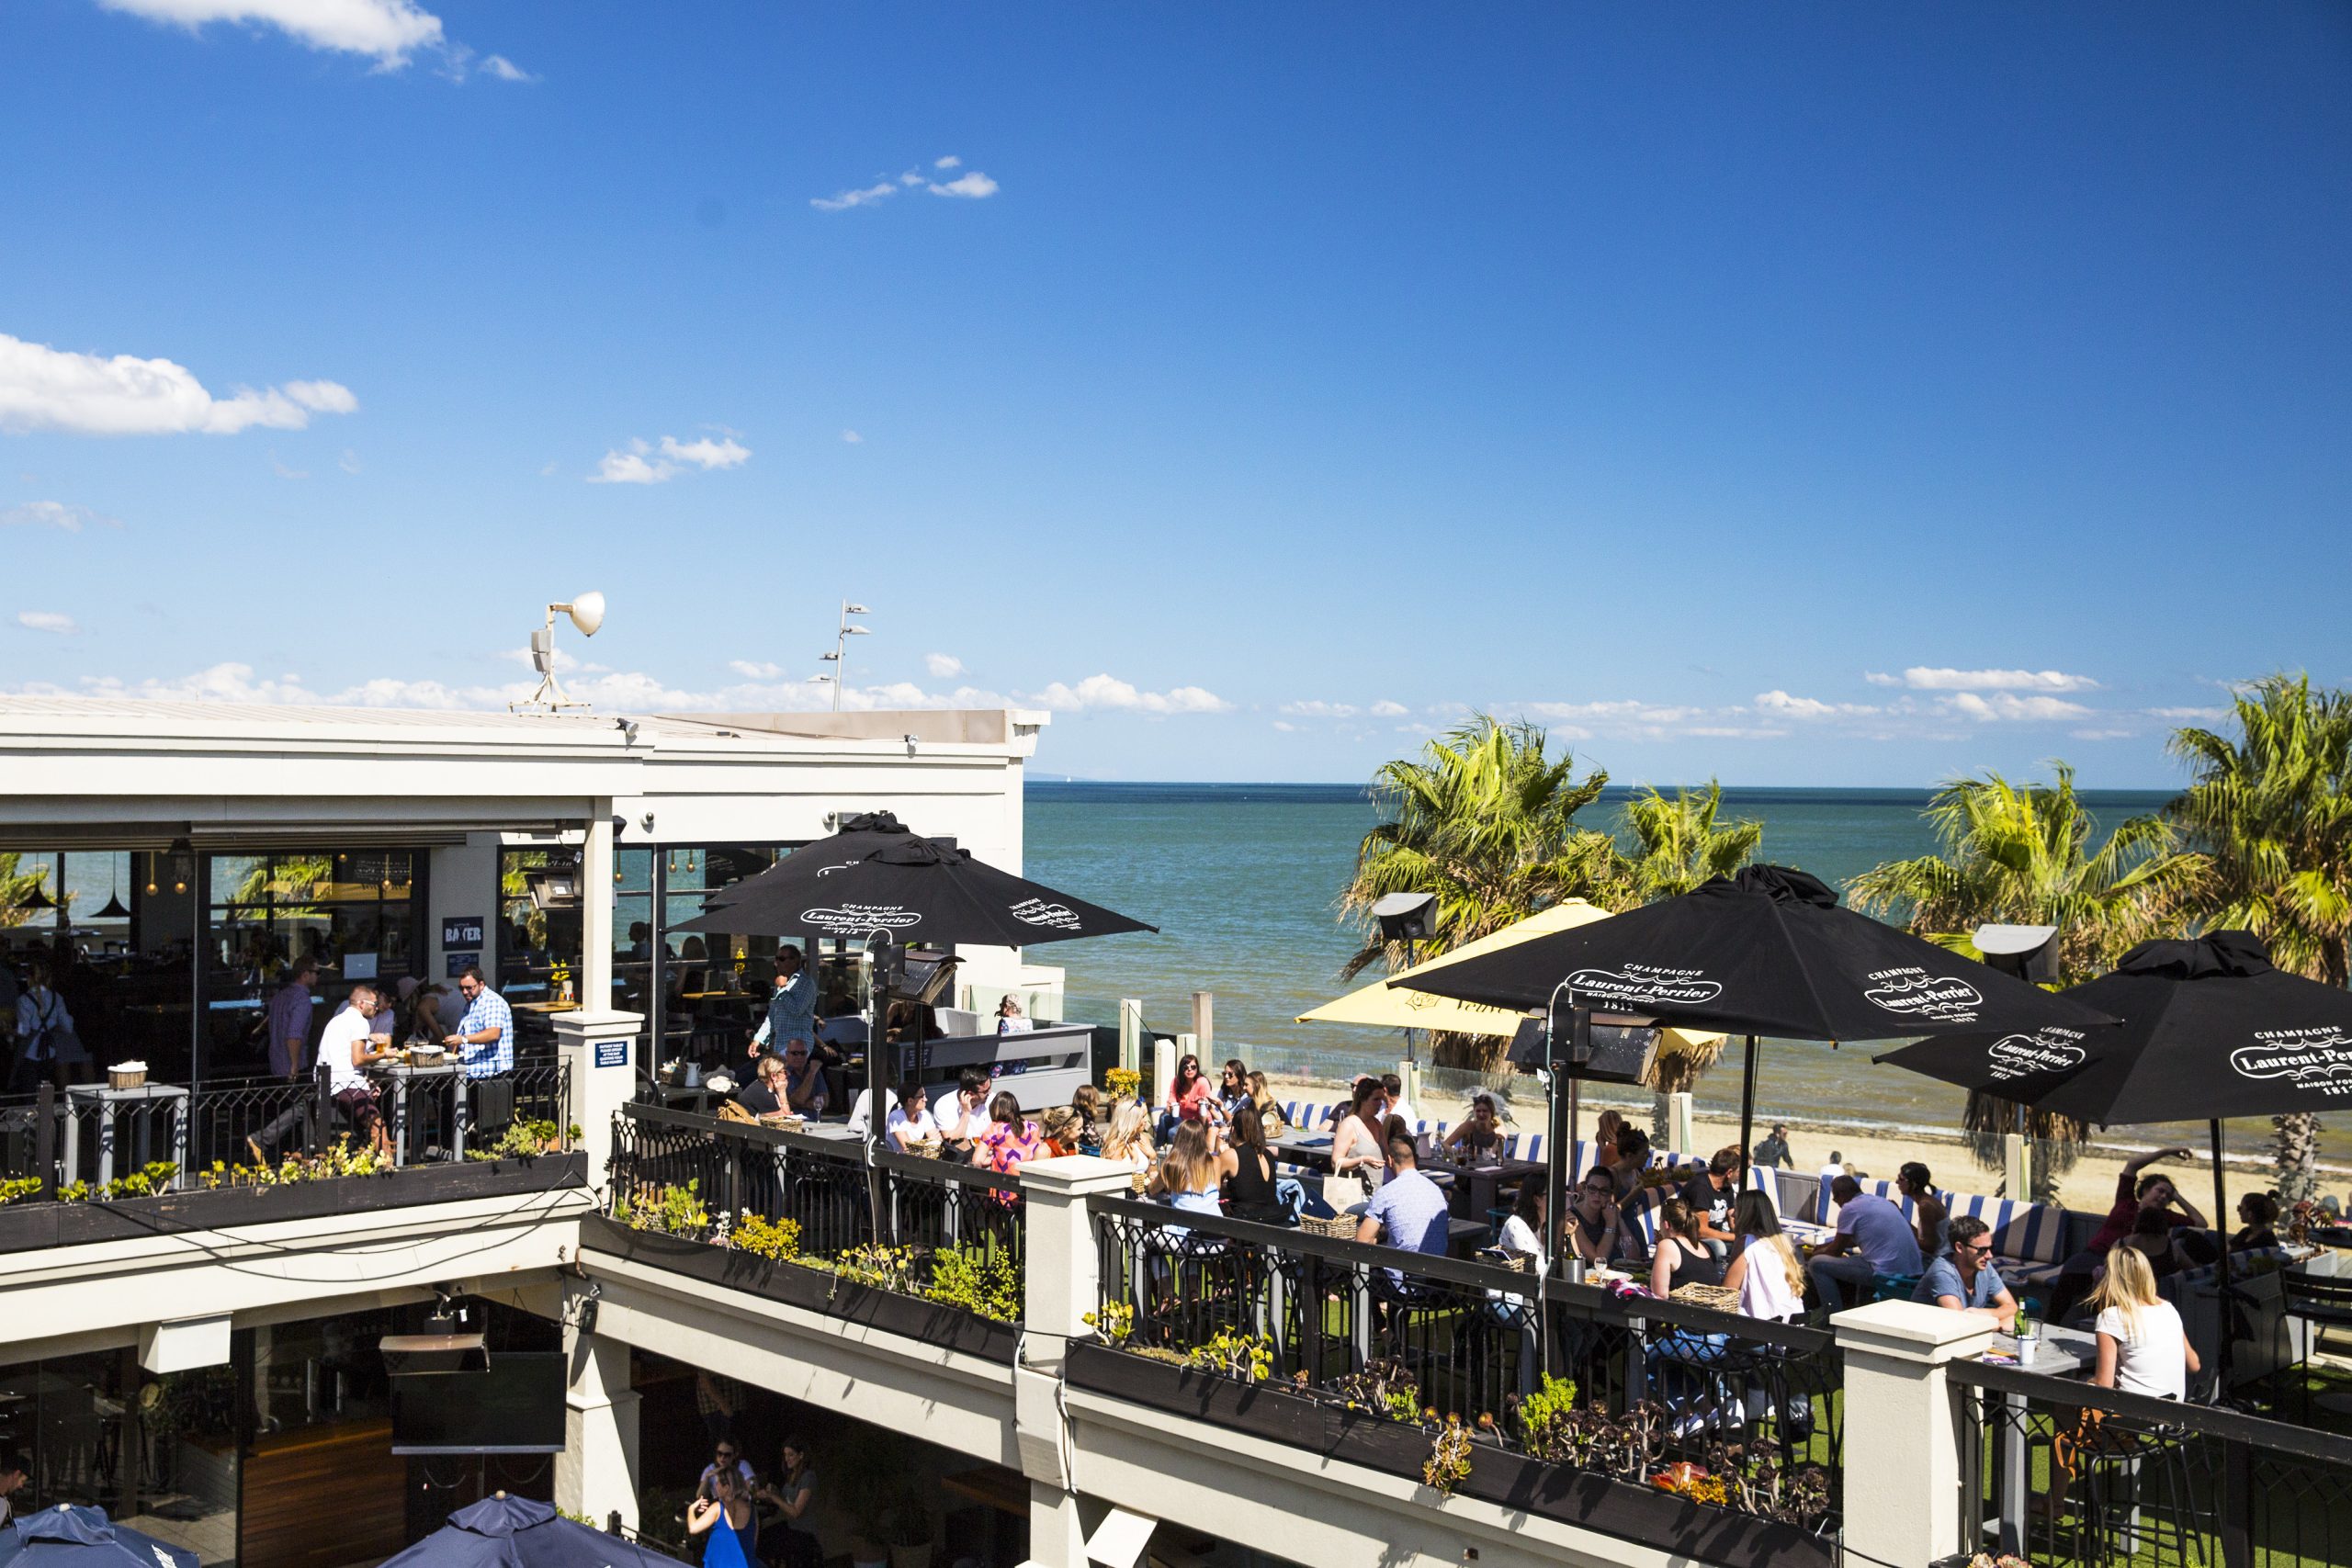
1129, 1139
1011, 1141
1770, 1281
910, 1121
2260, 1213
1478, 1140
1269, 1110
2143, 1348
1060, 1126
1597, 1231
1681, 1258
1251, 1190
1087, 1102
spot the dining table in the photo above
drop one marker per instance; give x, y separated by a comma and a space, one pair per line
403, 1081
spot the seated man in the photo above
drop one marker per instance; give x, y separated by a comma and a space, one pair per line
1709, 1197
1966, 1280
1872, 1239
1409, 1207
804, 1081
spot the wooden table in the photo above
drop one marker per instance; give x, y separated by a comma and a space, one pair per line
402, 1079
545, 1007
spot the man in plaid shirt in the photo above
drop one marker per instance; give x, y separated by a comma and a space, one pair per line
485, 1037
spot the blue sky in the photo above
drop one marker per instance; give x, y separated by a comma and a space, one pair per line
1842, 395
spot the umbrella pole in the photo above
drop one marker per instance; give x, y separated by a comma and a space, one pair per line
2221, 1233
1747, 1110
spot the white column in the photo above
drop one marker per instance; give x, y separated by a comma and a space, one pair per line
597, 907
1061, 1274
1902, 1439
595, 1047
1131, 1035
597, 1471
2016, 1167
1678, 1136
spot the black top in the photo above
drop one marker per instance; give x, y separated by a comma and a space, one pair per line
1706, 1203
756, 1098
1693, 1266
1250, 1191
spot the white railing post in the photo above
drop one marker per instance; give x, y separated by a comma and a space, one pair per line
1678, 1136
596, 1049
1061, 1283
1131, 1035
1902, 1430
2016, 1167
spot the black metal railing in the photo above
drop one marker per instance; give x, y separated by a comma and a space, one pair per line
86, 1142
2069, 1476
1755, 1405
700, 1176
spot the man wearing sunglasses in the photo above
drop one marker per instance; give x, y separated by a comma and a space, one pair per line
1966, 1280
727, 1455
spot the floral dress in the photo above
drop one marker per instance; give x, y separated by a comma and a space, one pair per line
1009, 1145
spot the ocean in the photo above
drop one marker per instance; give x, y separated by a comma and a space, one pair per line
1243, 882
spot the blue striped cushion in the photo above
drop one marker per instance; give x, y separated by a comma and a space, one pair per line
1767, 1182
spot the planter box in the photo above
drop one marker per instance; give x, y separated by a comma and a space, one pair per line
1600, 1503
27, 1227
814, 1290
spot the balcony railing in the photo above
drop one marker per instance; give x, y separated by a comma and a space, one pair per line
2068, 1475
803, 1217
1485, 1355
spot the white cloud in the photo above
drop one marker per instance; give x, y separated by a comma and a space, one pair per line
1386, 709
349, 461
1316, 708
387, 31
629, 468
912, 178
1645, 714
2009, 705
846, 199
1781, 704
638, 465
950, 162
973, 186
942, 666
1923, 678
755, 671
705, 452
505, 68
286, 473
2102, 734
60, 514
1108, 692
1285, 726
47, 621
45, 388
852, 438
2191, 715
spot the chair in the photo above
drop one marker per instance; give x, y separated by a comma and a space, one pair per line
2125, 1519
2319, 1302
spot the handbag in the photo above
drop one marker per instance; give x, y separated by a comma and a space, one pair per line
1343, 1193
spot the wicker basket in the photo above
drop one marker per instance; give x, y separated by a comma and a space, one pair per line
1339, 1227
135, 1077
1142, 1182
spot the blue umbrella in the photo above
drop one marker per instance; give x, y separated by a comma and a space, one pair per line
500, 1531
68, 1536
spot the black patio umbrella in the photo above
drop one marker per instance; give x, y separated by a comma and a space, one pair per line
915, 890
857, 838
2210, 1029
1769, 950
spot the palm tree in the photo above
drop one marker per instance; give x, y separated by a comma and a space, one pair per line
2022, 853
1679, 842
16, 884
2272, 811
1484, 821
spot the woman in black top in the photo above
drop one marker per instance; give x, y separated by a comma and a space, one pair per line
1681, 1257
1249, 1193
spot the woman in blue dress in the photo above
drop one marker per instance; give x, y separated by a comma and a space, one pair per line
725, 1518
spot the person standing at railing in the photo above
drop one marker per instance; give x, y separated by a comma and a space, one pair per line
47, 1043
289, 1019
485, 1036
1355, 1148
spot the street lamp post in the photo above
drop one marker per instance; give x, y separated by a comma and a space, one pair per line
841, 640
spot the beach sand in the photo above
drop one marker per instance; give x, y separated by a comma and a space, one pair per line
1877, 1152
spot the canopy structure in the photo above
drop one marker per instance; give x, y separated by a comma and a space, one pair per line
500, 1531
2209, 1029
1385, 1004
68, 1536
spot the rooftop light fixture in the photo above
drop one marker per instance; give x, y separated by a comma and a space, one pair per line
587, 613
841, 638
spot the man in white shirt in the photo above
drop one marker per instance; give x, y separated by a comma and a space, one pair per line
1398, 1106
348, 1046
1825, 1207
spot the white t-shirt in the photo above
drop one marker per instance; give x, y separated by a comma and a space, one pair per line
1518, 1240
2154, 1361
904, 1129
1764, 1288
1403, 1111
344, 1030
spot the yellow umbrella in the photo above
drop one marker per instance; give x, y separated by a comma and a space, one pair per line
1384, 1006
